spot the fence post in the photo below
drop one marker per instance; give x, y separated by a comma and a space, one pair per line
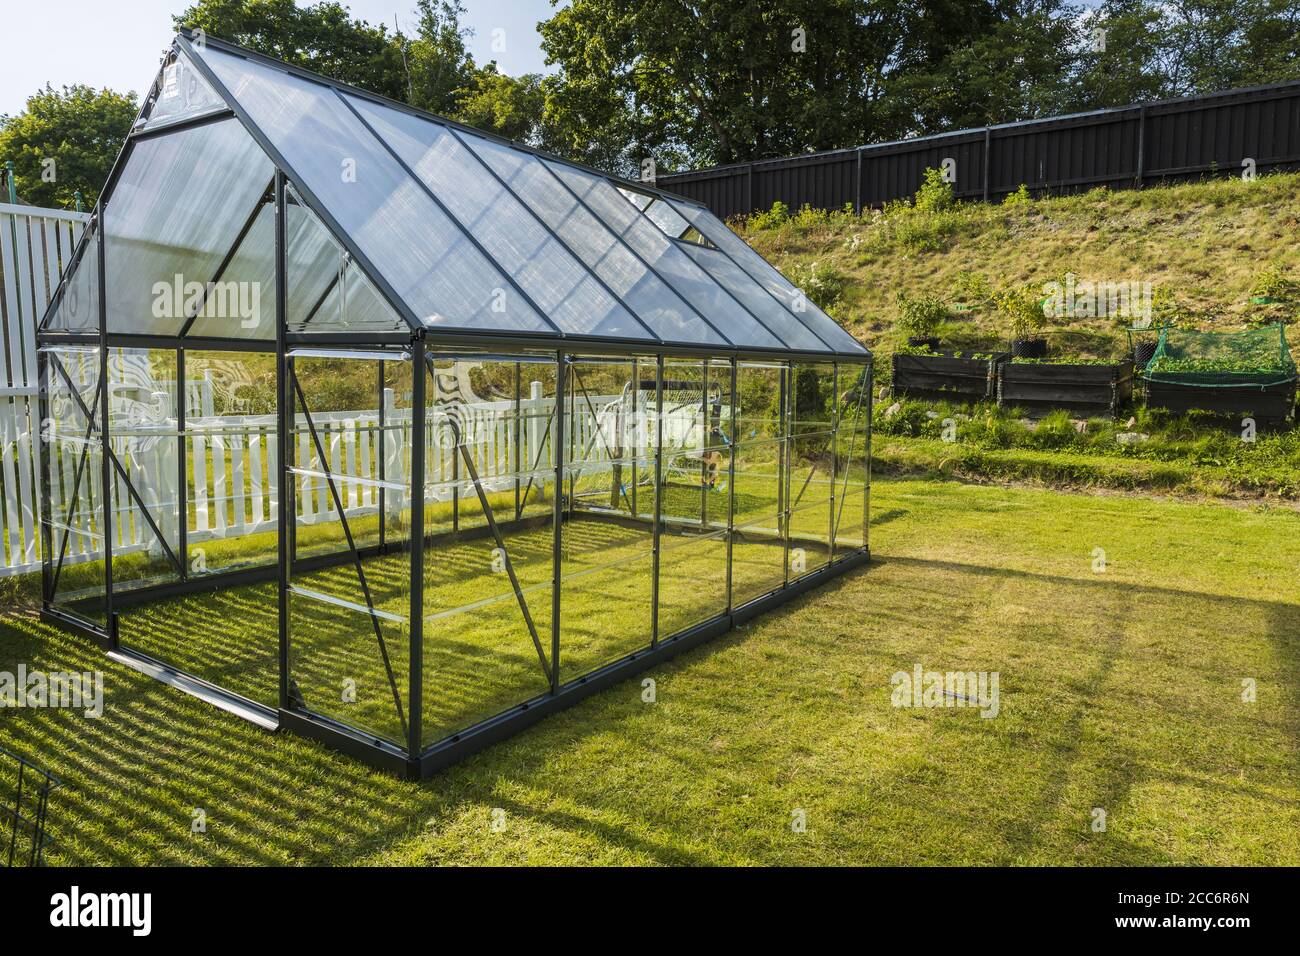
749, 172
1142, 136
988, 159
857, 184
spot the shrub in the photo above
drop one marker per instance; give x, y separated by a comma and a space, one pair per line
1272, 282
821, 282
970, 287
936, 193
1019, 198
778, 215
919, 317
1021, 309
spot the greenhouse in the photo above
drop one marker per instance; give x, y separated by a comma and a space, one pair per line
377, 428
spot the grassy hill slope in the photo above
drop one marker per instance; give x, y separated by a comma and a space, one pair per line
1205, 244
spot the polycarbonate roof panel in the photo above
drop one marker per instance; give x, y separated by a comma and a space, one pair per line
763, 272
426, 257
653, 301
526, 250
179, 203
755, 298
719, 308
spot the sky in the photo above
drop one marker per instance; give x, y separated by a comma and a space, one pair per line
118, 43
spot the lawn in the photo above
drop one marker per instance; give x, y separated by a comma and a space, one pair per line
1121, 689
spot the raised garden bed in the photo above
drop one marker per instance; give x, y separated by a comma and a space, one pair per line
1250, 372
948, 375
1267, 403
1087, 389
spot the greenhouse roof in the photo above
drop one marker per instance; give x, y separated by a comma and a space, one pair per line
452, 230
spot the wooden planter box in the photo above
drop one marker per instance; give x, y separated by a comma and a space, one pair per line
947, 377
1273, 403
1086, 390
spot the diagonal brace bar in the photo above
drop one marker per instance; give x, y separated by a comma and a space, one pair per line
505, 554
356, 558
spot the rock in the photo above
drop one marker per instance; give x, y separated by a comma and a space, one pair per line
932, 415
1132, 438
893, 410
1131, 423
1080, 425
884, 393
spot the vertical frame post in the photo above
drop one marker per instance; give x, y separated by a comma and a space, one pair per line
656, 529
783, 468
704, 461
415, 705
381, 454
866, 504
518, 436
557, 542
731, 485
182, 486
284, 436
44, 435
835, 456
105, 446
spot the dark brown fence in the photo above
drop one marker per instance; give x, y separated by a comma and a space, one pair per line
1129, 146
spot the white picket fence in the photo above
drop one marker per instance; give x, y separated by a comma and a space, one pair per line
35, 246
232, 462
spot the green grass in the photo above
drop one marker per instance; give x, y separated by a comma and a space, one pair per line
1119, 690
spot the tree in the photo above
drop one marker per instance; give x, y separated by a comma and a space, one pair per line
506, 105
65, 141
322, 37
442, 71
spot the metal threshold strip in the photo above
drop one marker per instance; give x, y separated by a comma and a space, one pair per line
264, 717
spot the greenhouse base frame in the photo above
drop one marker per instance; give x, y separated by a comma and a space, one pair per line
408, 754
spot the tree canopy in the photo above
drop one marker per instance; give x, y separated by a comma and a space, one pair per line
700, 82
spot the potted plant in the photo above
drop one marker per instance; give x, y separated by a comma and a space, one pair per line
1022, 310
919, 319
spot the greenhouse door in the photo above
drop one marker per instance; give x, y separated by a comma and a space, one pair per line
195, 492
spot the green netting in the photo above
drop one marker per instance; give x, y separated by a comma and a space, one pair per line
1222, 359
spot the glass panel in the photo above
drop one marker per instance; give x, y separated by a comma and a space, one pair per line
813, 413
562, 288
697, 429
248, 282
182, 94
665, 312
663, 216
694, 284
638, 199
826, 328
145, 482
607, 551
73, 524
349, 628
78, 306
327, 291
232, 463
852, 484
758, 548
179, 207
692, 579
768, 310
481, 655
421, 252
